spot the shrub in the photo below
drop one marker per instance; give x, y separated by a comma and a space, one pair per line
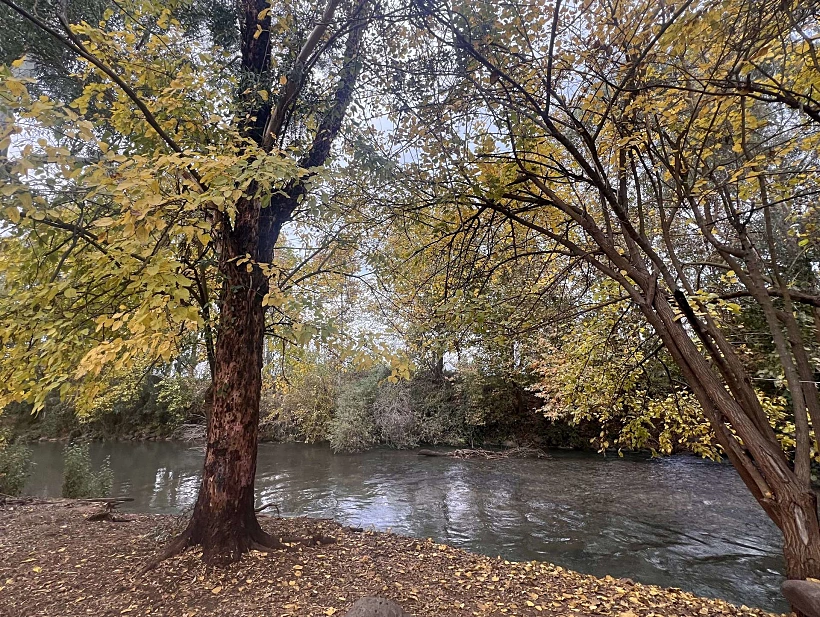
439, 412
498, 406
301, 410
15, 467
353, 428
393, 415
179, 397
79, 479
142, 400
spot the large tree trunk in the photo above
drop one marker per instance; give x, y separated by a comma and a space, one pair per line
224, 522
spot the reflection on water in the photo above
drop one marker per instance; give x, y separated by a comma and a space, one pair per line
677, 522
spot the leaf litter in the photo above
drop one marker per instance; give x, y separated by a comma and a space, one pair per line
54, 563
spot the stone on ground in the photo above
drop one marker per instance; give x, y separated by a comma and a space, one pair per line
375, 607
804, 596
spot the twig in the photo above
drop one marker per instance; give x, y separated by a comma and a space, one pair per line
265, 506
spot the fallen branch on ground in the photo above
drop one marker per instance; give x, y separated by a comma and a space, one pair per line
107, 513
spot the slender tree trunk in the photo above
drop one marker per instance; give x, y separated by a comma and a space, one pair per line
801, 535
787, 499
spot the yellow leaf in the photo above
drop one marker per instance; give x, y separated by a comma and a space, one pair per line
283, 79
36, 569
216, 589
15, 87
13, 214
330, 611
25, 200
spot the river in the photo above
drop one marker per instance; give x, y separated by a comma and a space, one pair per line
677, 522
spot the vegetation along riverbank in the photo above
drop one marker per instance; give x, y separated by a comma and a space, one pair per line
348, 410
58, 563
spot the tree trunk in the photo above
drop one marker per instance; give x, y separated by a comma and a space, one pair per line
786, 498
801, 535
224, 522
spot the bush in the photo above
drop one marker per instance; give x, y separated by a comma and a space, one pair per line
393, 415
302, 409
79, 480
141, 401
15, 467
440, 413
353, 427
355, 411
178, 398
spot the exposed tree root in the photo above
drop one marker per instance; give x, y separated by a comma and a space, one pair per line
258, 540
265, 506
315, 540
172, 549
268, 542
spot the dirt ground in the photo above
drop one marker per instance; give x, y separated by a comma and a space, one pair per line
55, 563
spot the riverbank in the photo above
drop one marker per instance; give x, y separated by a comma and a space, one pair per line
55, 563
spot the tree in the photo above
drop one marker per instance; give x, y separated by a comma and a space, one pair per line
602, 130
165, 157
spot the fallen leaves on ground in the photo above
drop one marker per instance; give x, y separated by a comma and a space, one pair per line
56, 564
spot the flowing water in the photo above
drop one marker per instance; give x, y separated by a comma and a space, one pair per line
677, 522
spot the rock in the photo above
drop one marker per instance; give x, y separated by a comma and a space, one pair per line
803, 596
375, 607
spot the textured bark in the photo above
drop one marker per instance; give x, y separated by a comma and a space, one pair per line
801, 535
782, 493
224, 522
